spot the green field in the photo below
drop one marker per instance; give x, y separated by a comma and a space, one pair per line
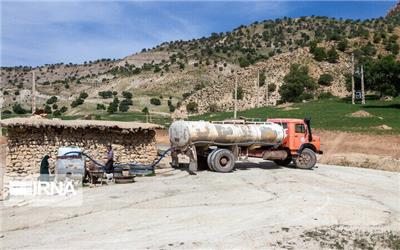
333, 114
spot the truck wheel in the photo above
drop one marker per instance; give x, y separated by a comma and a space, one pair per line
284, 162
209, 159
222, 160
306, 160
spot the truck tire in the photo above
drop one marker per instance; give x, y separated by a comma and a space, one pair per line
306, 160
284, 162
222, 160
209, 159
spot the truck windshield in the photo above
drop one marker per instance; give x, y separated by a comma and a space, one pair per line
299, 128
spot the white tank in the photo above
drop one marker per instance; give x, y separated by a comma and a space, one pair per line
185, 133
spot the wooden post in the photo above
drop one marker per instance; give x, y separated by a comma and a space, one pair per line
266, 89
236, 86
352, 79
362, 85
33, 94
258, 86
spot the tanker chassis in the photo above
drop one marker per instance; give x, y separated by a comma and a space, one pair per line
218, 145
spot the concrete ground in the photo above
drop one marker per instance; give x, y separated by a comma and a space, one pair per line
260, 205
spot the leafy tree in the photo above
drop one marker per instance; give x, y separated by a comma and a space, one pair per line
83, 95
298, 85
145, 110
325, 79
57, 113
113, 107
105, 94
18, 109
332, 55
243, 62
155, 101
77, 102
100, 106
47, 109
127, 95
383, 75
192, 107
63, 109
55, 106
123, 106
52, 100
262, 78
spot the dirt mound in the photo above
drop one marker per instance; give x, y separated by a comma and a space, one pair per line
361, 113
384, 127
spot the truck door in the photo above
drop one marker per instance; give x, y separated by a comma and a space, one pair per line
299, 135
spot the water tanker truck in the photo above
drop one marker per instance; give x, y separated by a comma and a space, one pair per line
218, 145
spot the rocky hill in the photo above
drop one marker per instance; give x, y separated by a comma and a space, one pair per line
201, 72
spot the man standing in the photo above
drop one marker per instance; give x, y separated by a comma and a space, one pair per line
109, 162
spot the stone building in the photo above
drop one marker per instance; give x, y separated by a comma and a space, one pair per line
29, 139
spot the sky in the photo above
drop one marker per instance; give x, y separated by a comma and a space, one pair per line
42, 32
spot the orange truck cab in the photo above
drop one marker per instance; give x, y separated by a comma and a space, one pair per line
300, 143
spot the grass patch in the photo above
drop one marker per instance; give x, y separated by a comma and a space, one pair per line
332, 114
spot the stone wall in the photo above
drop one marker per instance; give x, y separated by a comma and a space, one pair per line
27, 145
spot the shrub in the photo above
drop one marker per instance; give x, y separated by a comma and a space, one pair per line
342, 45
155, 101
55, 106
186, 95
325, 95
83, 95
332, 55
319, 54
213, 108
325, 79
271, 87
191, 107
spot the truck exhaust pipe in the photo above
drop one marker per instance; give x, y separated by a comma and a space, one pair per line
307, 121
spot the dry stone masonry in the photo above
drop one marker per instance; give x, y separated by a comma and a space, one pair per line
27, 145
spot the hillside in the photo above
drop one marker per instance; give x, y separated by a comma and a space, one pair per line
201, 72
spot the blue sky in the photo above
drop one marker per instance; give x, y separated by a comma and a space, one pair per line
39, 32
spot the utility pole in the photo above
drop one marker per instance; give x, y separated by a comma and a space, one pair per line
266, 89
362, 85
258, 85
236, 86
33, 92
352, 79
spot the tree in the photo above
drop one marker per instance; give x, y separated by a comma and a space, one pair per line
127, 95
77, 102
145, 111
52, 100
332, 55
271, 87
18, 109
63, 109
319, 54
298, 85
113, 107
57, 113
262, 79
83, 95
382, 75
100, 106
155, 101
191, 107
47, 109
325, 79
105, 94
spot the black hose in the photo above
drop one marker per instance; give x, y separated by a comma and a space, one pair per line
138, 166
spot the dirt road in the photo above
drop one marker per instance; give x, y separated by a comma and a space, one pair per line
257, 206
